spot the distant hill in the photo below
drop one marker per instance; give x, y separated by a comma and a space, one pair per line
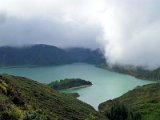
24, 99
144, 100
47, 55
138, 72
86, 55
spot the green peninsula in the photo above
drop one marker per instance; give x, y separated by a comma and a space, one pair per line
69, 83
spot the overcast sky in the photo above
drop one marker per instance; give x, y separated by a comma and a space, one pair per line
128, 30
62, 23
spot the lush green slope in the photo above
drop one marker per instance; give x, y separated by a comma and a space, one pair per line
28, 100
47, 55
69, 83
138, 72
144, 100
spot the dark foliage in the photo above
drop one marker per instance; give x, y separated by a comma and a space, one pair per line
7, 116
69, 83
120, 112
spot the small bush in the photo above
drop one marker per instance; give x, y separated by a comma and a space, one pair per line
34, 116
90, 117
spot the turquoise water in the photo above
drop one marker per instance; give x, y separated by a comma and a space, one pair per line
106, 85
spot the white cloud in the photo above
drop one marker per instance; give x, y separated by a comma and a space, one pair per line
53, 9
127, 29
131, 32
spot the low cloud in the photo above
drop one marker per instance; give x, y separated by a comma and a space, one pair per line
131, 32
18, 32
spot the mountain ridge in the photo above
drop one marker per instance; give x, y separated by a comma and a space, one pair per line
41, 54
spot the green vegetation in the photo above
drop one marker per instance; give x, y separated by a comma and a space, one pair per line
69, 83
90, 117
142, 101
138, 72
24, 99
120, 112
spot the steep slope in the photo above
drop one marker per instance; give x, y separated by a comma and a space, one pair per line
144, 100
47, 55
27, 99
138, 72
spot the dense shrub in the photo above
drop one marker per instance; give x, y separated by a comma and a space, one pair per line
34, 116
90, 117
120, 112
7, 116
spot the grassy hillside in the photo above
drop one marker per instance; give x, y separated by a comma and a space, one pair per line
144, 100
21, 98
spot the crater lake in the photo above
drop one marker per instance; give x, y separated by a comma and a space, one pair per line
106, 85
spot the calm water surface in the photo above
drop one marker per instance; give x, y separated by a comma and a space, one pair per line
106, 85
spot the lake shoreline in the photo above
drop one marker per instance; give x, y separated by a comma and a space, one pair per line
36, 66
106, 84
76, 88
